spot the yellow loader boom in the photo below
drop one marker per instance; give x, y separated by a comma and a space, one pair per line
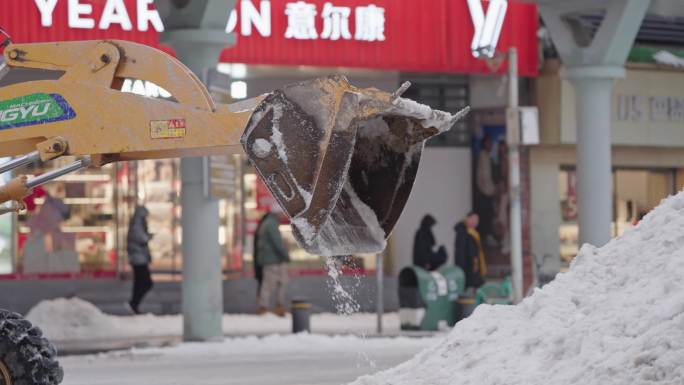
340, 160
101, 121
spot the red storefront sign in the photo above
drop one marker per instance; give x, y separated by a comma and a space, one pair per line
405, 35
28, 21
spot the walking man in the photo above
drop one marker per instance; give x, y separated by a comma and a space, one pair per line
258, 269
273, 257
139, 256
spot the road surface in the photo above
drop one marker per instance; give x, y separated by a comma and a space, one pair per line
292, 360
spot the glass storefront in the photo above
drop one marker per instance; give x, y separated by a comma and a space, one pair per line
79, 223
158, 189
635, 193
70, 224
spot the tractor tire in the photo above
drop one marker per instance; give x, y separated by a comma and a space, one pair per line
26, 357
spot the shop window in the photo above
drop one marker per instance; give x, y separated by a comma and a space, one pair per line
69, 225
156, 185
635, 193
231, 214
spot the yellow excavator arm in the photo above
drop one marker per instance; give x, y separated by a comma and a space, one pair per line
340, 160
101, 121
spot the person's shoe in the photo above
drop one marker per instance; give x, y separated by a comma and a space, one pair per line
261, 310
129, 308
280, 311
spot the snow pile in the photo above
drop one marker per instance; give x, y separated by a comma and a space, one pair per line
77, 320
63, 318
616, 317
71, 319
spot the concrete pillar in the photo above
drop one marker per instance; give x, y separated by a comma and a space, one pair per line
196, 31
594, 176
592, 65
202, 286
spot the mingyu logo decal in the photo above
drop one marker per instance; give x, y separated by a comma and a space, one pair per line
22, 112
34, 109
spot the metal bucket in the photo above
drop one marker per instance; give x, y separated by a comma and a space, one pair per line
341, 161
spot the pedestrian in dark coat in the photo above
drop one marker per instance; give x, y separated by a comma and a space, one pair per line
468, 253
424, 242
139, 256
274, 257
258, 267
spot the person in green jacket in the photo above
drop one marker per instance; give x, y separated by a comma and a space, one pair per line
273, 256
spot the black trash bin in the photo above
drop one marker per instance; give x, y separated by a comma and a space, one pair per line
411, 305
301, 316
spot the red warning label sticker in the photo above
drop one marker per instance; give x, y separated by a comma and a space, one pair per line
167, 129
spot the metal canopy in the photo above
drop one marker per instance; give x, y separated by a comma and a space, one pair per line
655, 29
662, 25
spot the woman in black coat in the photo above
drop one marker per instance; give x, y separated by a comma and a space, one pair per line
424, 244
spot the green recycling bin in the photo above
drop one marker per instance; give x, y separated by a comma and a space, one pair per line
495, 293
426, 299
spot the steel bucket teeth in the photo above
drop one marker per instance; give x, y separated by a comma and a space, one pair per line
341, 161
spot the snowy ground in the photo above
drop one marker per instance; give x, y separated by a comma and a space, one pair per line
75, 325
262, 349
282, 360
337, 354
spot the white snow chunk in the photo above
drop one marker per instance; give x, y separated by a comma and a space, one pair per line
306, 229
442, 121
277, 136
262, 147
